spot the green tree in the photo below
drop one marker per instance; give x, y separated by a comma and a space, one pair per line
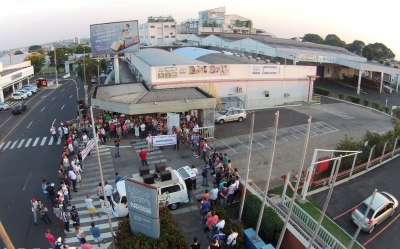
82, 49
387, 63
356, 47
334, 40
349, 144
368, 52
37, 61
382, 52
314, 38
90, 66
61, 55
36, 48
18, 52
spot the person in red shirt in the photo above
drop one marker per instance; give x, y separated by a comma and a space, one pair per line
143, 157
50, 238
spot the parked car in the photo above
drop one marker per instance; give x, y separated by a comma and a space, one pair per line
28, 92
103, 75
19, 108
383, 207
3, 106
30, 88
41, 82
19, 95
232, 114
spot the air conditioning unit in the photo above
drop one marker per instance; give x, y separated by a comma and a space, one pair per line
240, 89
267, 94
286, 95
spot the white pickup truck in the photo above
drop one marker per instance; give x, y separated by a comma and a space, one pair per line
175, 187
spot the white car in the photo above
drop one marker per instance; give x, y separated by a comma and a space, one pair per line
30, 88
3, 106
27, 92
19, 95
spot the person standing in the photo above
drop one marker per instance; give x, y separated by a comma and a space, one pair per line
45, 192
80, 234
231, 241
196, 244
85, 245
75, 217
204, 208
178, 136
34, 207
224, 192
149, 141
196, 172
42, 211
99, 191
91, 208
95, 231
116, 143
58, 244
214, 196
53, 133
50, 238
142, 130
189, 186
108, 189
73, 177
65, 218
143, 157
204, 174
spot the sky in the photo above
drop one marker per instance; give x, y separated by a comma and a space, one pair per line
30, 22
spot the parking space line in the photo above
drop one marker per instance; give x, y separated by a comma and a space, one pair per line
334, 129
43, 141
298, 131
290, 134
266, 137
383, 229
241, 143
280, 136
42, 109
316, 134
62, 107
317, 128
20, 143
229, 147
257, 142
36, 141
346, 212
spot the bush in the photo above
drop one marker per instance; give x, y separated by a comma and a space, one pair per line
271, 224
341, 95
387, 63
366, 102
321, 91
386, 109
230, 224
354, 99
170, 235
375, 105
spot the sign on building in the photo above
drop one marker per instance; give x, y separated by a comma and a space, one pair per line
143, 208
192, 71
115, 37
267, 70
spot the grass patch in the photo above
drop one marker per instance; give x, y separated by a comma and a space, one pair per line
311, 207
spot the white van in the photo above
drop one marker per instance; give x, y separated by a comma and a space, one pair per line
175, 187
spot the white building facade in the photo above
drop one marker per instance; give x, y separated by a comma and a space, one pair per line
158, 31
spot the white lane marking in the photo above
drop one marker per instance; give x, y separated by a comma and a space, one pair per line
70, 96
36, 140
53, 122
29, 176
42, 109
62, 90
50, 141
29, 125
59, 141
20, 143
12, 146
43, 141
1, 145
62, 107
28, 142
8, 144
6, 121
229, 147
53, 98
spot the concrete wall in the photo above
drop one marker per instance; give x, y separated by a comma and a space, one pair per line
150, 33
141, 66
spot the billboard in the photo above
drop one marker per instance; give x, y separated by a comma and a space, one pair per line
192, 71
142, 202
114, 37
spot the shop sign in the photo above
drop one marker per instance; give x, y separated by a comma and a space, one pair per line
307, 57
265, 70
192, 71
16, 76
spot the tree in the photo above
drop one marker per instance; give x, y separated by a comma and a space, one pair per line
314, 38
368, 52
90, 69
62, 56
334, 40
387, 63
18, 52
382, 52
356, 47
36, 48
37, 61
82, 49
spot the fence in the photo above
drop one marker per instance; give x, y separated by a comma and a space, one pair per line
206, 131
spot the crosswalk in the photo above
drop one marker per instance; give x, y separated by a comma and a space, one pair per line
29, 142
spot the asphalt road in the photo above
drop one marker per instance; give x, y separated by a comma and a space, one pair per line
24, 168
348, 195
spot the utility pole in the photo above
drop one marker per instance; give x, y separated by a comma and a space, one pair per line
4, 237
55, 63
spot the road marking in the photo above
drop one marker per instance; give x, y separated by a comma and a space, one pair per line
36, 140
53, 122
289, 133
62, 107
242, 143
43, 141
1, 145
28, 142
6, 121
53, 98
20, 143
62, 90
42, 109
59, 141
7, 145
383, 229
12, 146
78, 88
229, 147
50, 141
29, 125
70, 96
348, 211
29, 176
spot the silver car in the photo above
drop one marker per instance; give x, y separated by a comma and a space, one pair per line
383, 207
232, 114
3, 106
26, 91
30, 88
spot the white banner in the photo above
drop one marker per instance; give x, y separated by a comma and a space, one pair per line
164, 140
88, 148
172, 120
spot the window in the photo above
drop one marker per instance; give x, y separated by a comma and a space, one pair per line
166, 26
152, 36
116, 197
172, 26
152, 27
166, 36
380, 212
171, 189
172, 36
261, 52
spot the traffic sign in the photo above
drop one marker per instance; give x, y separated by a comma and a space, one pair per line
105, 206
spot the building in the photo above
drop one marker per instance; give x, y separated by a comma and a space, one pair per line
12, 77
77, 40
158, 31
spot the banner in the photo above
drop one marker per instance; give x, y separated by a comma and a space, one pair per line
164, 140
192, 71
113, 38
88, 148
266, 70
172, 120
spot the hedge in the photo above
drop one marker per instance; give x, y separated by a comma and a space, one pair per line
321, 91
341, 96
230, 224
271, 224
354, 99
366, 102
375, 105
171, 237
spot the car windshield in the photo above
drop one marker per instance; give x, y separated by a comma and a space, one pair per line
362, 208
223, 112
16, 107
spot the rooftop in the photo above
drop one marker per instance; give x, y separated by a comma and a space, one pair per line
10, 71
228, 59
159, 57
194, 52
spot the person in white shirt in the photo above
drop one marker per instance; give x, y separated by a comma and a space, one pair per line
213, 196
91, 208
231, 241
142, 130
220, 225
72, 176
53, 133
108, 189
149, 141
196, 172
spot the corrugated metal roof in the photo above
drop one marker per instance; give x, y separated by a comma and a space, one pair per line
164, 95
228, 59
194, 53
159, 57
